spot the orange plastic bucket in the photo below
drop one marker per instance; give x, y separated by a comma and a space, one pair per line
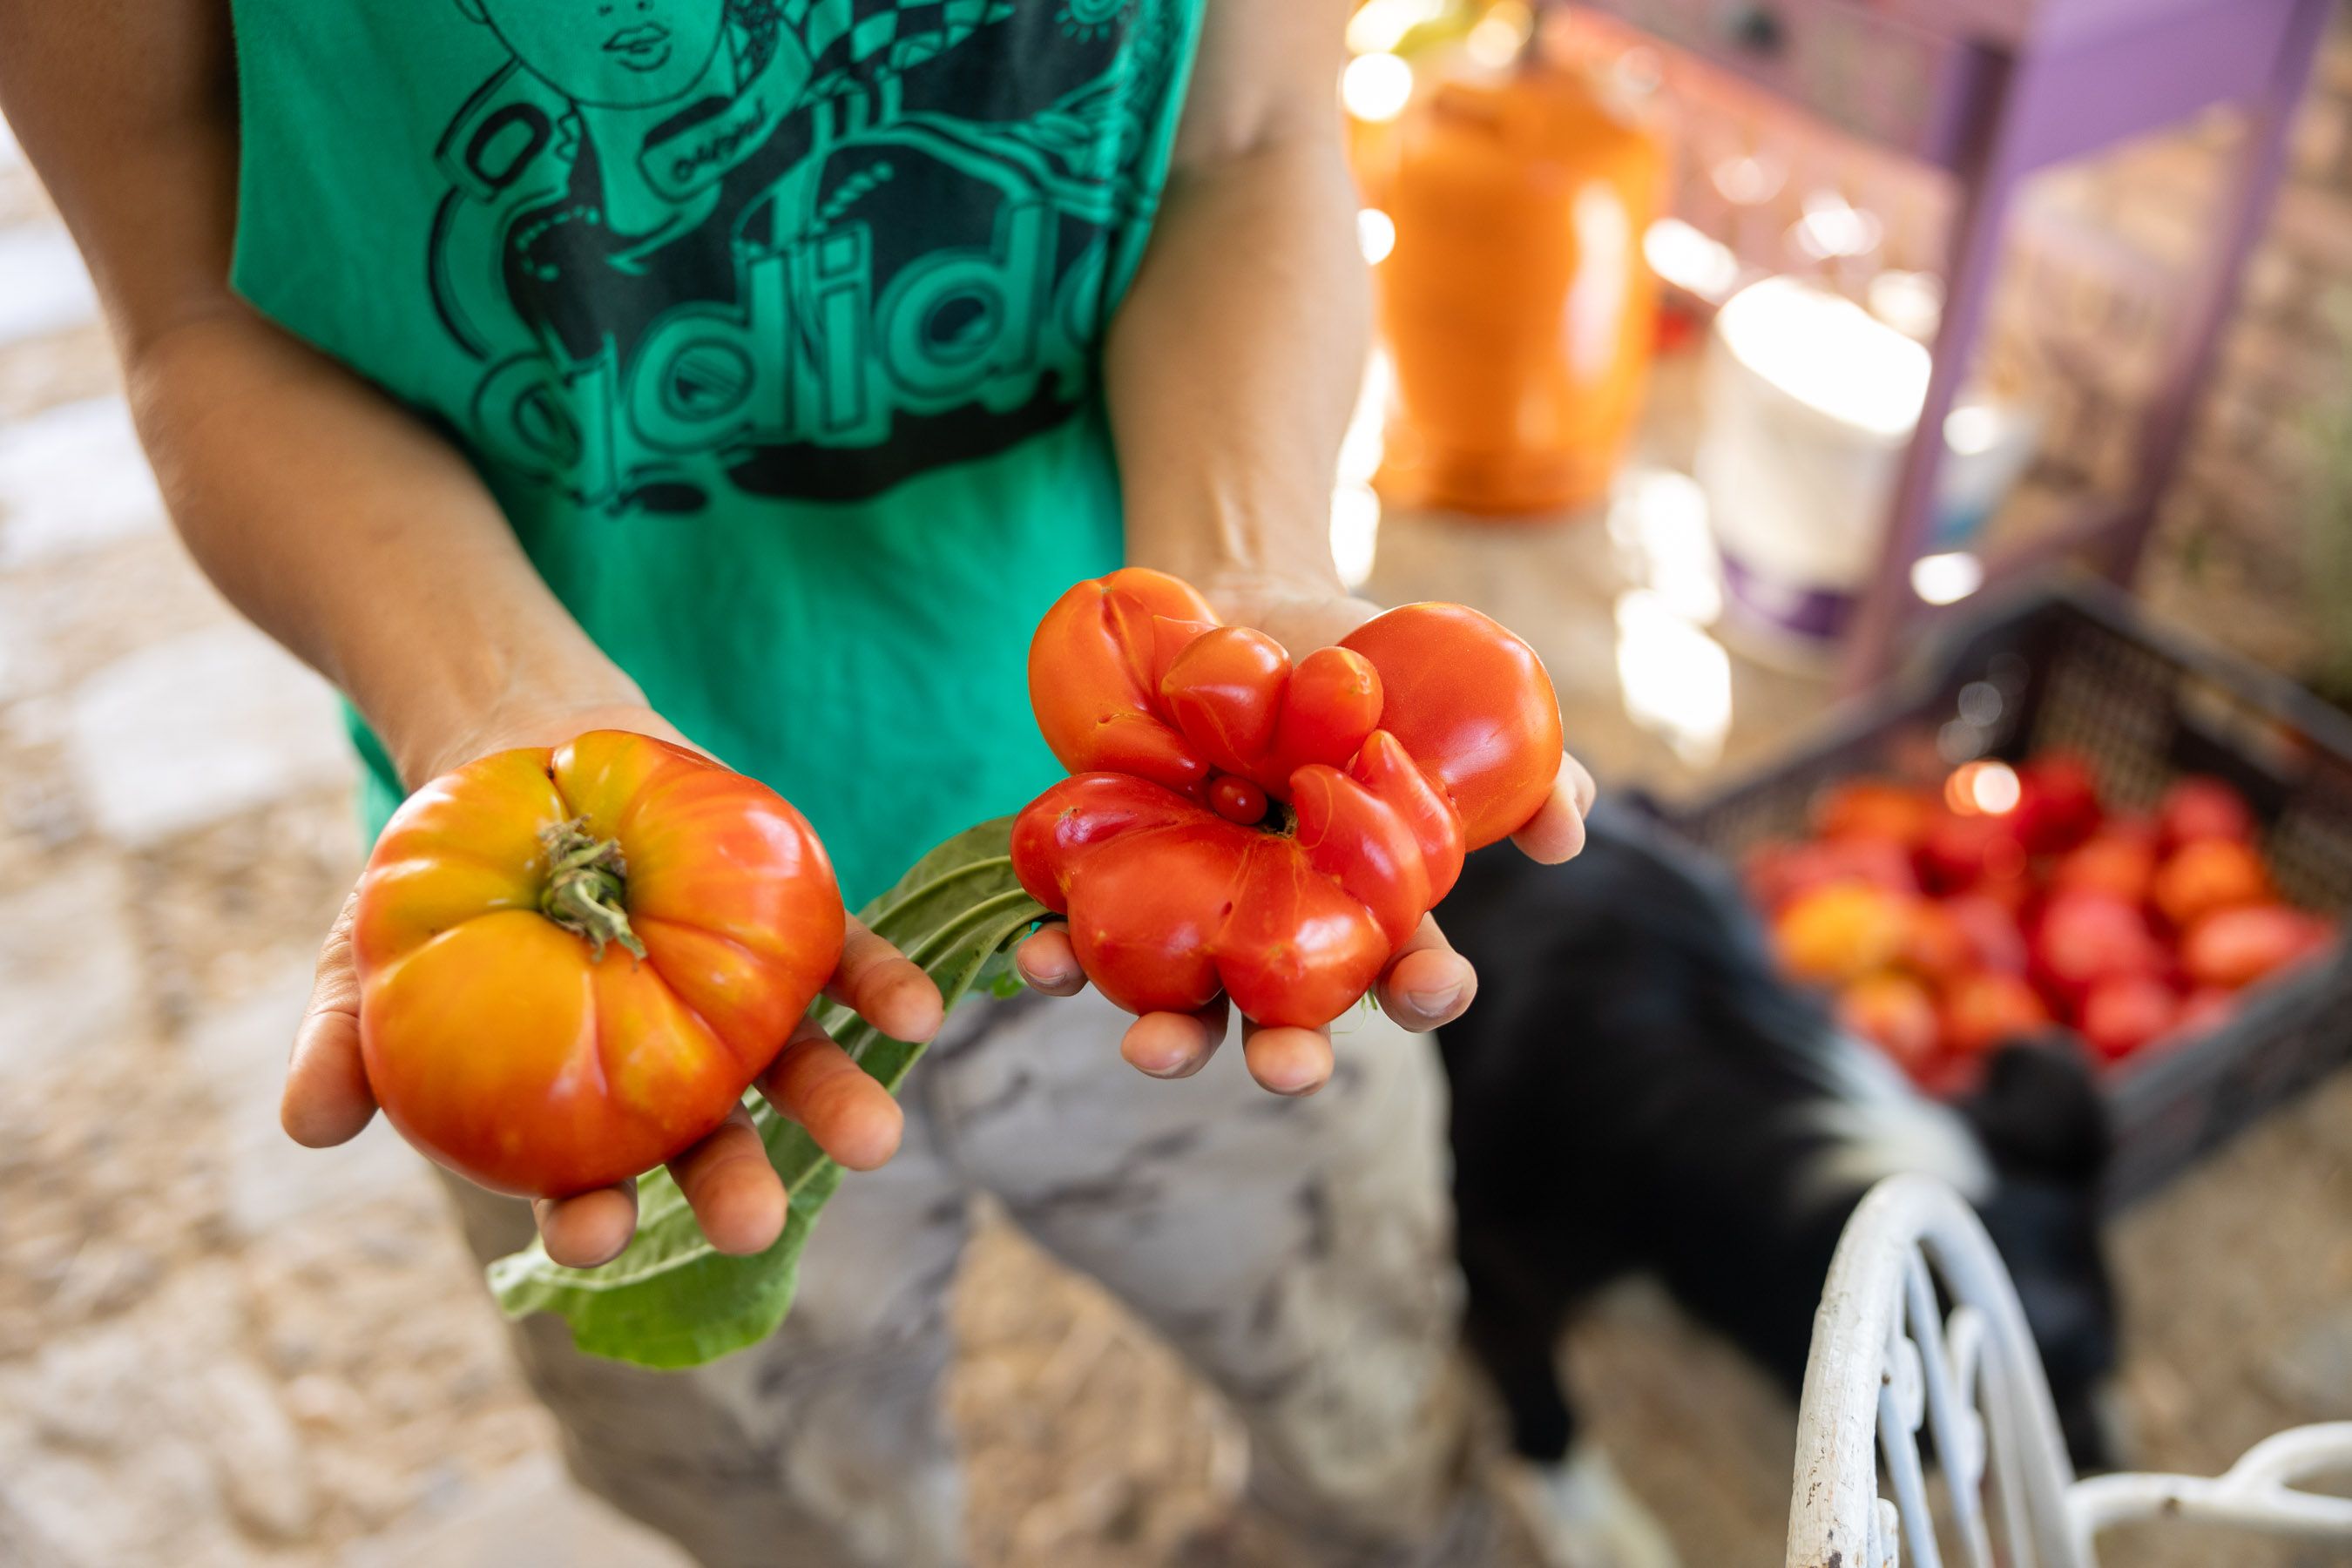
1516, 306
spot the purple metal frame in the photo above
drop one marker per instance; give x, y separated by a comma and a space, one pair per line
2082, 77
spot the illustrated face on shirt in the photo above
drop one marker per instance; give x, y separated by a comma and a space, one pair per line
621, 53
695, 249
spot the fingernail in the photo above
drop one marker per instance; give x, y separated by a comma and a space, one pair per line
1163, 1067
1292, 1086
1435, 1003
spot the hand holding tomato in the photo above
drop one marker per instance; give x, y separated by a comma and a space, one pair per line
1227, 726
464, 995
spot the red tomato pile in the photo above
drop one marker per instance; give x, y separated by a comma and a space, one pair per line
1946, 921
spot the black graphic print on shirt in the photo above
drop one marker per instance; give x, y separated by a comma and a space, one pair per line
790, 247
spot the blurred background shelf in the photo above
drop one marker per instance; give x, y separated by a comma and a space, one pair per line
1993, 93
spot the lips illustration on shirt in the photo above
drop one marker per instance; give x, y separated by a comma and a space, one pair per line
643, 48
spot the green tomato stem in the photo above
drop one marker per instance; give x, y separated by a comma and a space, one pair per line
586, 892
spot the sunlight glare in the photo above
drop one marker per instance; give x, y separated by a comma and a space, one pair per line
1947, 579
1355, 532
1675, 679
1376, 87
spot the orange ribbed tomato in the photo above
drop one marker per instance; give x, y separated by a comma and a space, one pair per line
573, 962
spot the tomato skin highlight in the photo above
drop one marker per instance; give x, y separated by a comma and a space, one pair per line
512, 1051
1427, 732
1237, 800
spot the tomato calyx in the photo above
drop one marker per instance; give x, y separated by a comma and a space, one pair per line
587, 887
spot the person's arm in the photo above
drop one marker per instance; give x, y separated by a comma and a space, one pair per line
359, 538
1231, 369
1236, 360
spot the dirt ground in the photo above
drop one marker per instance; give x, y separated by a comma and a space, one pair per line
218, 1349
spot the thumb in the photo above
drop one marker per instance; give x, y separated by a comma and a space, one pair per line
327, 1099
1556, 832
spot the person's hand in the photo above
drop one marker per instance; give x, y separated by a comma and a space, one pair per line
736, 1196
1426, 983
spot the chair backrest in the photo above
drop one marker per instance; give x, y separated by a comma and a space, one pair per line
1889, 1361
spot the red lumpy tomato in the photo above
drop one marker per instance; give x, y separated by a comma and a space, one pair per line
1372, 767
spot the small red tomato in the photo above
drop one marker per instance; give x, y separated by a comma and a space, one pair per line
2018, 893
2209, 874
2117, 860
2057, 803
1982, 1011
1236, 799
2198, 807
2085, 937
1840, 933
1779, 873
1894, 1012
1995, 940
2231, 948
1963, 852
1874, 809
2121, 1014
1936, 946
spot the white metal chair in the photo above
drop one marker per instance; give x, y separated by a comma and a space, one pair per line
1888, 1362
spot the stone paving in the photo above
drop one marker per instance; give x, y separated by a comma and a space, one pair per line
218, 1349
214, 1347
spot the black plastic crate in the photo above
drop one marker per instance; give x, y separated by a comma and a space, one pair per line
2078, 667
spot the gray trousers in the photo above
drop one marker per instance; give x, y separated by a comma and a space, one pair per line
1296, 1252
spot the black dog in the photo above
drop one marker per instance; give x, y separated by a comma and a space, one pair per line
1635, 1090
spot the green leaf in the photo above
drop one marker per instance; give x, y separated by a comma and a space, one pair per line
671, 1302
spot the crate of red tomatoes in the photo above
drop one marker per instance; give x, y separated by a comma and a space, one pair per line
2074, 824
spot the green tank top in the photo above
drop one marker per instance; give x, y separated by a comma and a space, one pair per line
774, 325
